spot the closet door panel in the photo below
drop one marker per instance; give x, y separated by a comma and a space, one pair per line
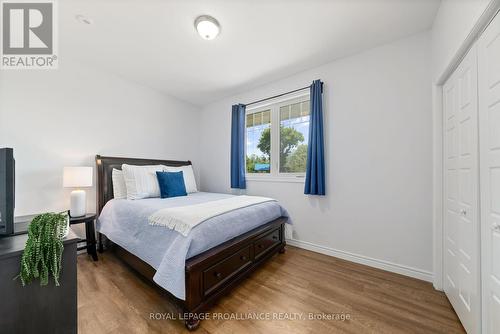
461, 232
489, 115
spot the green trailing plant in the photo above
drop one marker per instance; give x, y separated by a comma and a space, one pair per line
43, 251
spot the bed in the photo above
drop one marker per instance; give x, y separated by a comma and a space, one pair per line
195, 270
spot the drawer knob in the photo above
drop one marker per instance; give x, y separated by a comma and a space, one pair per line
243, 257
218, 275
260, 246
275, 237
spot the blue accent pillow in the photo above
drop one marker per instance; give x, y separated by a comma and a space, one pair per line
171, 184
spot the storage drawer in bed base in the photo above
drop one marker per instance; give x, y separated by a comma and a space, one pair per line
213, 273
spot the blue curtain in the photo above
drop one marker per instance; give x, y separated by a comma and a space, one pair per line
315, 170
238, 147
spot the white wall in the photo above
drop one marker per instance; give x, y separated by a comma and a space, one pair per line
378, 129
64, 117
453, 23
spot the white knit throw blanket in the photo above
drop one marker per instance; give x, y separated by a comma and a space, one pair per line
184, 218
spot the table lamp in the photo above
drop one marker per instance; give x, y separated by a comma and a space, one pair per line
77, 177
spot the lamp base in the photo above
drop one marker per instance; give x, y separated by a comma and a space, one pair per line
78, 203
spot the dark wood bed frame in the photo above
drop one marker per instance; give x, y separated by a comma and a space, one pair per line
211, 274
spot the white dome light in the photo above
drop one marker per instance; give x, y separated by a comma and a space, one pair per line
207, 27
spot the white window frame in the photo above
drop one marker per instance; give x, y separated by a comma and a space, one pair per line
274, 106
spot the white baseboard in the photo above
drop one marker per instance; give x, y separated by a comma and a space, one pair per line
380, 264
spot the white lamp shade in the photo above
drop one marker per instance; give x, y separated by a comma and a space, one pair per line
77, 177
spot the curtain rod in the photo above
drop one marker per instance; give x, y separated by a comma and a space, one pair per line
279, 95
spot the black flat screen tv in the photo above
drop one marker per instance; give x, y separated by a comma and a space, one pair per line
7, 191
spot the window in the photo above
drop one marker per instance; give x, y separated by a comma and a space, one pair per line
258, 142
276, 138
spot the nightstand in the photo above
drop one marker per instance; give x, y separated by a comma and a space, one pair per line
90, 240
33, 308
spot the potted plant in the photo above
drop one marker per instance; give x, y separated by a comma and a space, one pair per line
44, 248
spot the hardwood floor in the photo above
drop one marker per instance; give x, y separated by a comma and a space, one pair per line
114, 299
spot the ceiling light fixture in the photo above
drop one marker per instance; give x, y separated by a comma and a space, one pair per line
207, 27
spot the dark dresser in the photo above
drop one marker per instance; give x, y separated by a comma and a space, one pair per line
32, 308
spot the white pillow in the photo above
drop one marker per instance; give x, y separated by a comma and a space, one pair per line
141, 181
119, 187
187, 172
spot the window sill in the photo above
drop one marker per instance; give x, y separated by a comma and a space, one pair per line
276, 179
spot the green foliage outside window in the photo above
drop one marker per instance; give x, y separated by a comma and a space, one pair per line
254, 159
297, 161
293, 154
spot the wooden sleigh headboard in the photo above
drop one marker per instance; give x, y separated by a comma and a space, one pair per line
105, 167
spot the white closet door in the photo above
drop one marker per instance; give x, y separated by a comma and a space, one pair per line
489, 115
461, 228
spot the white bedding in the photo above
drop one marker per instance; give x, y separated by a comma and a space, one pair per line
183, 218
